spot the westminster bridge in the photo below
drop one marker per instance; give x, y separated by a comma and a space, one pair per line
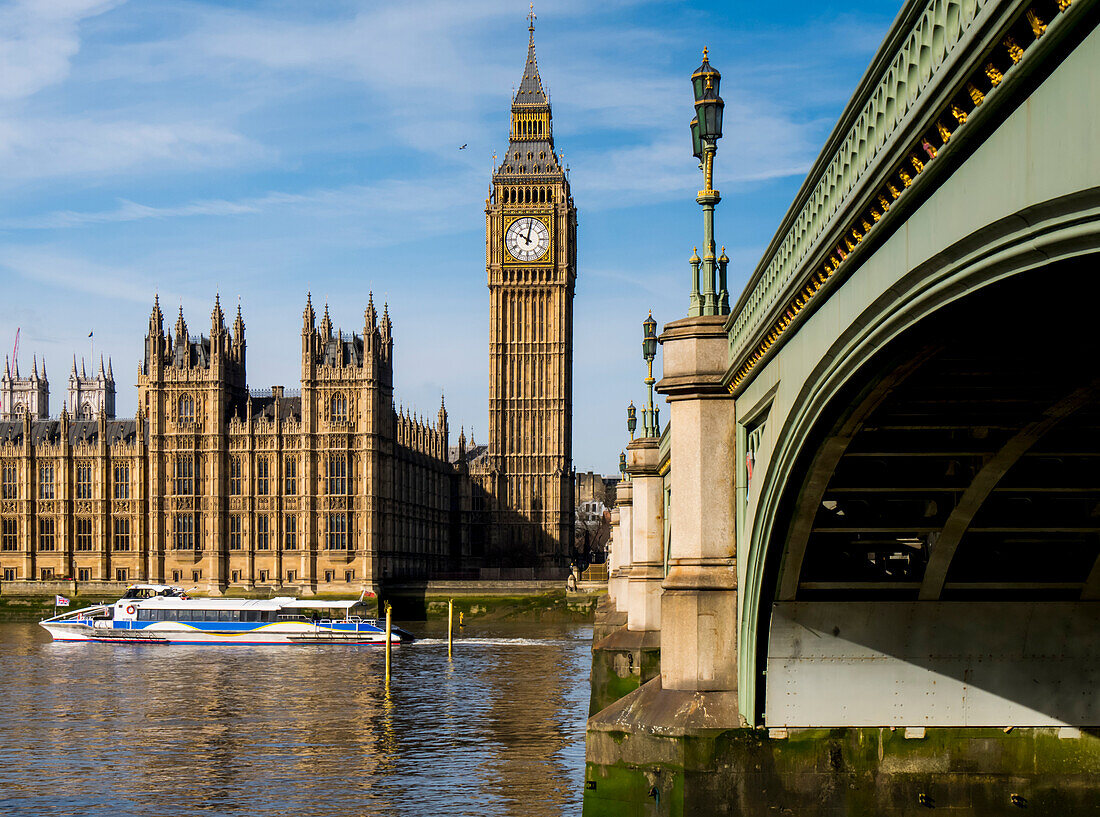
859, 571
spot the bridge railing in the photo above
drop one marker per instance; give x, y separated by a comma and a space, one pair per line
937, 64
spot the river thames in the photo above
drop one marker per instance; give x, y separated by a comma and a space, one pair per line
98, 729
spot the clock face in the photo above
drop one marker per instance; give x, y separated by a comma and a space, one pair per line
527, 238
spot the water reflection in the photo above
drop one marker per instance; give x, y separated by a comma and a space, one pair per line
151, 730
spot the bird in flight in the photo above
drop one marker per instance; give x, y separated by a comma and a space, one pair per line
463, 147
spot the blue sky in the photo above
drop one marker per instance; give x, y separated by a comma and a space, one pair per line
263, 149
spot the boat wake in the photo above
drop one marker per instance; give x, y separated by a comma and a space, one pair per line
493, 642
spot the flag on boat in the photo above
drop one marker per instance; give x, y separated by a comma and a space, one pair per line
60, 601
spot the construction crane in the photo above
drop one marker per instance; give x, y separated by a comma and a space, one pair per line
15, 350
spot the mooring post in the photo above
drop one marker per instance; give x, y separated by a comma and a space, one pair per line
450, 625
389, 632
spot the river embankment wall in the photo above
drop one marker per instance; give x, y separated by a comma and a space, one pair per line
519, 600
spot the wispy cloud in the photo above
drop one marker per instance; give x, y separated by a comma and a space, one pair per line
73, 274
38, 41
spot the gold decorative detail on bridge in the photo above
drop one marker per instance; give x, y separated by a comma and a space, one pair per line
878, 207
1037, 24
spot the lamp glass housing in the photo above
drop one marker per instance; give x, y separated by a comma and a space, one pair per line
649, 338
709, 113
696, 140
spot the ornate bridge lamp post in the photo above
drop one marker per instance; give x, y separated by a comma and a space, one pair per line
706, 130
699, 592
651, 415
631, 419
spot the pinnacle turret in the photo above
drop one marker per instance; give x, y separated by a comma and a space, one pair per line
370, 316
238, 325
217, 317
309, 317
181, 327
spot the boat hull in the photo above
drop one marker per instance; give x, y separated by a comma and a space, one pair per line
169, 633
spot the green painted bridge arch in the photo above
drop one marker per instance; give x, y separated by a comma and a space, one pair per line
914, 366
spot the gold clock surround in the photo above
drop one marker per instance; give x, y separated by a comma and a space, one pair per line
547, 258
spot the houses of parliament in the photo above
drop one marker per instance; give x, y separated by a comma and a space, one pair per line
330, 486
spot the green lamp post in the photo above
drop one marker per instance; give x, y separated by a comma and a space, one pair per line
631, 419
708, 297
651, 422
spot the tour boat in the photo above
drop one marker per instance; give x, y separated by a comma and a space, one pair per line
163, 614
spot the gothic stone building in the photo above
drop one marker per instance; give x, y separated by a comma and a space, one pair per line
218, 487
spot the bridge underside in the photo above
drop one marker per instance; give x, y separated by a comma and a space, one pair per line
942, 546
968, 465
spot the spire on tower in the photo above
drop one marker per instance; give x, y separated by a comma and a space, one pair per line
530, 87
181, 327
217, 318
73, 372
326, 324
238, 325
308, 315
110, 372
370, 316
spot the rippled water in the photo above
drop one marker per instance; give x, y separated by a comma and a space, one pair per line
100, 729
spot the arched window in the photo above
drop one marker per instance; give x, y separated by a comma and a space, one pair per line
339, 407
86, 412
187, 409
235, 475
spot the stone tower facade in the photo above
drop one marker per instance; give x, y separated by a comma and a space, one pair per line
19, 395
188, 388
531, 261
89, 396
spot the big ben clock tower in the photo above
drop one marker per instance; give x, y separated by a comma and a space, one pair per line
531, 259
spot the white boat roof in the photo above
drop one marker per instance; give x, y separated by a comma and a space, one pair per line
278, 603
342, 604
